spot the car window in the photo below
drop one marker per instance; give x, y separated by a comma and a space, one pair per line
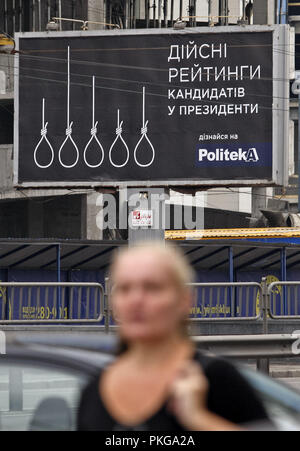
38, 398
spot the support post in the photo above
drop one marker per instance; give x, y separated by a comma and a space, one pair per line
15, 390
296, 91
264, 364
58, 269
298, 146
106, 305
231, 280
283, 278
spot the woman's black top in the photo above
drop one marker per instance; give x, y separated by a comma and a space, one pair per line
230, 396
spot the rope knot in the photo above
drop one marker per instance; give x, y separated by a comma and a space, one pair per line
69, 130
119, 131
94, 130
144, 129
44, 130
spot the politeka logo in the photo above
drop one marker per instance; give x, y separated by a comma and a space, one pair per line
220, 154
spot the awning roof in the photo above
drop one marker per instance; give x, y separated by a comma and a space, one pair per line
91, 255
23, 254
206, 234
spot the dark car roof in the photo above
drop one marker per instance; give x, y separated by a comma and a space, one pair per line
98, 342
85, 361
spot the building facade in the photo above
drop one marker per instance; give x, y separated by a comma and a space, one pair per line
71, 213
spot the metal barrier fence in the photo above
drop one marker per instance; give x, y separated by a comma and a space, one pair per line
67, 302
51, 302
227, 301
284, 300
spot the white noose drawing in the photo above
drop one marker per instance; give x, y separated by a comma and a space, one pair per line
93, 136
119, 136
144, 131
69, 126
43, 137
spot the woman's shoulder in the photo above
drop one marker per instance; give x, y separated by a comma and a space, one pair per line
90, 390
209, 361
230, 394
91, 413
218, 369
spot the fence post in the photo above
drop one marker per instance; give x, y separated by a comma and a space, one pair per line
15, 389
106, 305
264, 364
265, 304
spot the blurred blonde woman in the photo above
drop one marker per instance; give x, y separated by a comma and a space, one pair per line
159, 381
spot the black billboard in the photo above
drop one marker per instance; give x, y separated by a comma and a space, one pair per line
169, 107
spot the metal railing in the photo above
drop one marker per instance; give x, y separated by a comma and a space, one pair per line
69, 302
260, 348
275, 346
51, 302
284, 300
226, 301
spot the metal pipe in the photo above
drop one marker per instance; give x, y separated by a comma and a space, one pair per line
172, 11
278, 12
33, 16
147, 11
244, 9
284, 13
223, 12
159, 13
49, 10
191, 14
6, 16
59, 14
154, 13
166, 13
40, 15
14, 15
110, 13
134, 14
126, 15
73, 13
85, 22
180, 10
20, 15
209, 12
194, 12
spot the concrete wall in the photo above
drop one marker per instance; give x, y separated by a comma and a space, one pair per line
6, 167
45, 217
96, 13
264, 12
7, 66
201, 10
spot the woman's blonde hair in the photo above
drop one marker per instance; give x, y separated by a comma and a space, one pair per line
180, 268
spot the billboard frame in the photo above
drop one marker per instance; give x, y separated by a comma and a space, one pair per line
280, 113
